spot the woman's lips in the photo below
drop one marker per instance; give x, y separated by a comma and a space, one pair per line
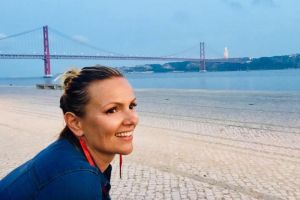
124, 134
127, 136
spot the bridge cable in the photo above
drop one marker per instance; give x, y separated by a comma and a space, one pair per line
83, 43
214, 51
182, 51
19, 34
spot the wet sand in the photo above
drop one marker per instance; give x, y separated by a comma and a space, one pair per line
190, 144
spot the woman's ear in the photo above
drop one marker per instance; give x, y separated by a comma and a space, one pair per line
73, 122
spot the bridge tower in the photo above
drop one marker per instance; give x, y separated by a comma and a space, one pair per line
202, 67
47, 68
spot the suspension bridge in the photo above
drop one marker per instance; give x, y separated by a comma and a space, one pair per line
46, 56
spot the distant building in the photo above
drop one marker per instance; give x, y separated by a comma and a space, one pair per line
226, 53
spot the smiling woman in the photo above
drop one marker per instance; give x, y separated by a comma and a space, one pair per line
99, 110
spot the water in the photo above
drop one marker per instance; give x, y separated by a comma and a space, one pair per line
263, 80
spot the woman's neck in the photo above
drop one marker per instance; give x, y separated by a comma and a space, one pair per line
102, 160
94, 157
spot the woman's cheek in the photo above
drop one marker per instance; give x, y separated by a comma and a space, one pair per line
112, 123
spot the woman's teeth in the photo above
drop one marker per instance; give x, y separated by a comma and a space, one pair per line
124, 134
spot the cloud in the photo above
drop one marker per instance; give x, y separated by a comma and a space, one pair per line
263, 2
80, 38
2, 35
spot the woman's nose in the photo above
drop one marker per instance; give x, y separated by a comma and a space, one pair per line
131, 118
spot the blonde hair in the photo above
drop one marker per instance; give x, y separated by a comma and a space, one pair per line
67, 77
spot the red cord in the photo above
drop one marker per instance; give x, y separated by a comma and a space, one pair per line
86, 152
120, 166
90, 159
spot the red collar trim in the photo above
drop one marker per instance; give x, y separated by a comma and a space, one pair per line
86, 152
89, 156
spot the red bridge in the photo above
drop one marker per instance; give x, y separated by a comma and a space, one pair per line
47, 57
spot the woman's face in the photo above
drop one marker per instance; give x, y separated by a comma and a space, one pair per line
110, 117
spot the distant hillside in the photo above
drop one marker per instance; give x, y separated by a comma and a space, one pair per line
263, 63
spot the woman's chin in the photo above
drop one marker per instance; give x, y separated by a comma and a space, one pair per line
126, 151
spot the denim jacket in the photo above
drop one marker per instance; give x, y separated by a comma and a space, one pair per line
59, 172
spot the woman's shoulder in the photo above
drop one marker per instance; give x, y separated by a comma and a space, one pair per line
59, 167
80, 184
62, 168
60, 158
59, 153
70, 185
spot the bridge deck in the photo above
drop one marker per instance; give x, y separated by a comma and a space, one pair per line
99, 57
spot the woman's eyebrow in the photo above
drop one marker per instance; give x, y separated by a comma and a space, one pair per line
133, 99
118, 103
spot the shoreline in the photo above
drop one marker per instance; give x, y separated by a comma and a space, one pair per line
295, 92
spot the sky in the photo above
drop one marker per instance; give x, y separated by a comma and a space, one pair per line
248, 28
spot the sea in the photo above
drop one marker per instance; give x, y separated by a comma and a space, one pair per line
260, 80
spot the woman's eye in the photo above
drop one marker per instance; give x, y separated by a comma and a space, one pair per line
111, 110
132, 106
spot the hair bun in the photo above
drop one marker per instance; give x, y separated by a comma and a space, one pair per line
68, 76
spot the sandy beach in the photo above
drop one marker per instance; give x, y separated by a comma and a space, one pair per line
190, 144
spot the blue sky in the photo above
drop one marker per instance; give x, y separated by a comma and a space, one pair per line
252, 28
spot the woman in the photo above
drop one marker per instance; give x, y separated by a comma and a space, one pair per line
99, 110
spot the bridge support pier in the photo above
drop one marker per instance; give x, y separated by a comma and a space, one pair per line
202, 67
47, 68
